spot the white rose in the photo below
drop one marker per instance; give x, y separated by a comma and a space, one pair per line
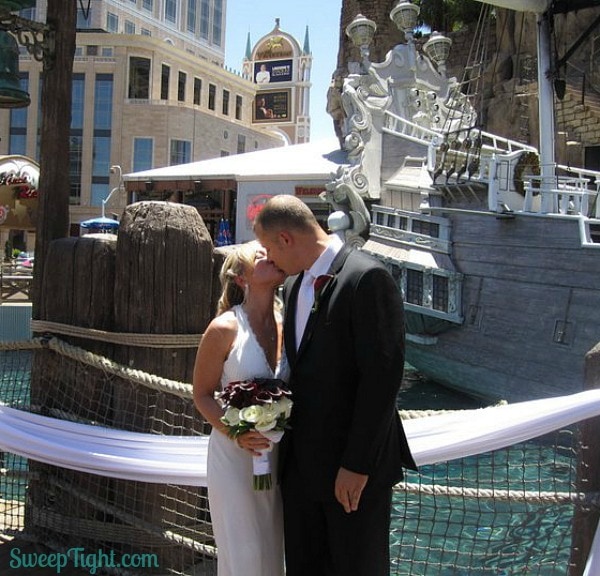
266, 424
284, 406
231, 416
251, 414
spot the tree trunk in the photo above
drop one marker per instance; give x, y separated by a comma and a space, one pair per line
53, 216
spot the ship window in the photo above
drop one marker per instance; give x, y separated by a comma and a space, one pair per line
440, 293
426, 228
402, 223
380, 218
414, 286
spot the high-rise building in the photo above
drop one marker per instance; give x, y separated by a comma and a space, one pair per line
149, 89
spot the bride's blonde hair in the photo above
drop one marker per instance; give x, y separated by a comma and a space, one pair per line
236, 263
239, 260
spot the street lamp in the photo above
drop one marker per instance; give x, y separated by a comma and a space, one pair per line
437, 49
405, 16
361, 31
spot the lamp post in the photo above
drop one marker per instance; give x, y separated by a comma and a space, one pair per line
437, 49
361, 31
405, 15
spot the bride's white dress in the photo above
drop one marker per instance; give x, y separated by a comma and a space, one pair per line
247, 524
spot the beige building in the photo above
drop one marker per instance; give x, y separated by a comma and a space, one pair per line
149, 90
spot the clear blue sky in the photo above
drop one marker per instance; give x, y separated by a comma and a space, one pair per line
323, 20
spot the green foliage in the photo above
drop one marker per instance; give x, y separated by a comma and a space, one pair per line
448, 15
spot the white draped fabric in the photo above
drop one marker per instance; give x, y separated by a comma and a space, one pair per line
182, 459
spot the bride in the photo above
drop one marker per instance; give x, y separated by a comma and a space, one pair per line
244, 341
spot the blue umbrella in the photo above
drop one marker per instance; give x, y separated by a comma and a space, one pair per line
102, 224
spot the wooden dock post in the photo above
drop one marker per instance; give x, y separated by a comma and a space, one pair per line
585, 520
164, 276
78, 291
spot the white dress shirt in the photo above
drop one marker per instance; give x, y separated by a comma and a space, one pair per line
306, 294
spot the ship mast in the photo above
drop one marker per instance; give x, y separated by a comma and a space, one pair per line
545, 82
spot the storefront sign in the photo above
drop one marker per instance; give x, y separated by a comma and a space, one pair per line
308, 190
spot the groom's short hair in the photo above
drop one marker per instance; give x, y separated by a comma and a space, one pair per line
285, 212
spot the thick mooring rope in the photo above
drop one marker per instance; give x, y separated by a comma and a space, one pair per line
122, 338
152, 381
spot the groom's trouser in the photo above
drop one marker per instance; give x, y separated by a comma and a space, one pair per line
323, 540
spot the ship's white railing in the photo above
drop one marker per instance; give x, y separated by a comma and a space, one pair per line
398, 126
489, 143
559, 195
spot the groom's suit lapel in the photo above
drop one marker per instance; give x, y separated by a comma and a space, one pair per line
334, 269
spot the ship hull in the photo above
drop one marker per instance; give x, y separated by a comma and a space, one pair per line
531, 309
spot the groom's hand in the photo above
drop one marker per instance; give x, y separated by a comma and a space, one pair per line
348, 488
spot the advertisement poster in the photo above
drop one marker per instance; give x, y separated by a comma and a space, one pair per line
254, 205
273, 71
272, 106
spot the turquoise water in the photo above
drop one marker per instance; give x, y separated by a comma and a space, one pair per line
443, 536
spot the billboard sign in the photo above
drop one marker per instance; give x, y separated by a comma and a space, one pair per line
272, 106
273, 71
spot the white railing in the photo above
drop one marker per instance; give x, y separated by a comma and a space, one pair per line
561, 195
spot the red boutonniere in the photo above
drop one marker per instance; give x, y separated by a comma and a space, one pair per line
319, 286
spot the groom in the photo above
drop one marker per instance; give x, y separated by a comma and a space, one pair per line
344, 338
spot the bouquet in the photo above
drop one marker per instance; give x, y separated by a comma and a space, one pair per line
261, 404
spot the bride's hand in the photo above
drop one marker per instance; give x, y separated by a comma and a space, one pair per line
253, 442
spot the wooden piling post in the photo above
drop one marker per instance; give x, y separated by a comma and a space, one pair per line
164, 276
585, 520
79, 286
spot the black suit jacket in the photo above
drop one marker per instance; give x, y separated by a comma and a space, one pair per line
345, 377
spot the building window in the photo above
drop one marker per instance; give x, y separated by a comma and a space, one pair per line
192, 15
129, 27
197, 91
107, 52
212, 96
164, 82
103, 98
82, 22
225, 102
139, 78
75, 163
76, 136
241, 144
181, 82
217, 28
181, 152
78, 99
100, 169
17, 135
143, 150
224, 153
145, 32
238, 107
148, 5
171, 11
204, 19
112, 22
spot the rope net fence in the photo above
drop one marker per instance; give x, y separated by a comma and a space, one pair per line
508, 511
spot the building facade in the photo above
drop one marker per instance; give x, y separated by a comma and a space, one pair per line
281, 69
149, 89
